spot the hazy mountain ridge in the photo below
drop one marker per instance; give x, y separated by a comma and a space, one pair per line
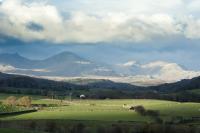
63, 64
67, 64
16, 60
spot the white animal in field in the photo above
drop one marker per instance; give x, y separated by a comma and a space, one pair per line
126, 106
82, 96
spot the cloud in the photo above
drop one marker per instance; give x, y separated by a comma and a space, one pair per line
83, 62
169, 71
129, 64
160, 70
16, 15
125, 6
192, 30
30, 21
102, 69
9, 68
194, 6
5, 68
34, 27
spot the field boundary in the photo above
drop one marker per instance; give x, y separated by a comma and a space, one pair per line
17, 112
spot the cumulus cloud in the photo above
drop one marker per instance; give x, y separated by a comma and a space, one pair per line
125, 6
194, 6
192, 30
42, 21
169, 71
160, 70
6, 68
16, 15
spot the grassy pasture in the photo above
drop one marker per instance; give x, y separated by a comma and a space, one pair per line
108, 110
95, 114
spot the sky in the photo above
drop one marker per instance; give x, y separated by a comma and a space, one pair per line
106, 31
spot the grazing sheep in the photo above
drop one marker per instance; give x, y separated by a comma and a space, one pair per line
82, 96
124, 105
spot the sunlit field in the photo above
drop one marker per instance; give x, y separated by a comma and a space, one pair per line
107, 110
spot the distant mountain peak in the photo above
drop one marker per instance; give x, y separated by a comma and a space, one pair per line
65, 55
68, 64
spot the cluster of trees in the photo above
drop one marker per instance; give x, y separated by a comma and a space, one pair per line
144, 112
23, 101
102, 93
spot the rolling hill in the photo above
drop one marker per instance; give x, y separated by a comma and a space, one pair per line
27, 82
184, 90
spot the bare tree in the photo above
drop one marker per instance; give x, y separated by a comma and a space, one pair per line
25, 101
11, 100
139, 109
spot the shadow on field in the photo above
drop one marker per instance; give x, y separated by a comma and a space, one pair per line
66, 126
2, 115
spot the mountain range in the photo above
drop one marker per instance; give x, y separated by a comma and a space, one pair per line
67, 66
63, 64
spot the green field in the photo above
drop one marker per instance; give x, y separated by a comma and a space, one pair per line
108, 110
95, 114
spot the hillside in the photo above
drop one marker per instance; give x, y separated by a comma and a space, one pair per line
180, 91
31, 83
183, 85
